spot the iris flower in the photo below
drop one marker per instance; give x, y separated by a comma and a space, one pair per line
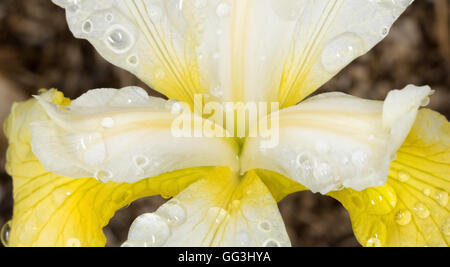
74, 163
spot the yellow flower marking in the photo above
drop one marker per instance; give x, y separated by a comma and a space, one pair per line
412, 209
51, 210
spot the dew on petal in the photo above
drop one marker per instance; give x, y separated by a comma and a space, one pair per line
151, 228
341, 51
217, 214
108, 122
133, 60
441, 197
4, 233
421, 210
87, 26
119, 39
242, 238
271, 243
173, 212
103, 175
73, 242
373, 242
403, 217
223, 10
403, 176
264, 226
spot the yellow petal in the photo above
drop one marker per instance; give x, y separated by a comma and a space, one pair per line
220, 210
51, 210
413, 208
233, 50
335, 140
123, 136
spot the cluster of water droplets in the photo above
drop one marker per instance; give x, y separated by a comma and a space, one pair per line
347, 46
154, 229
323, 166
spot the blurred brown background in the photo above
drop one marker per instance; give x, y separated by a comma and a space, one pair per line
38, 51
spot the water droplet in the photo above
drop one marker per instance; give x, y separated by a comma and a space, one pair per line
217, 214
154, 12
219, 32
160, 74
133, 60
109, 17
141, 161
87, 26
103, 175
242, 238
427, 192
73, 242
421, 210
322, 147
200, 3
360, 158
4, 233
126, 244
402, 3
425, 102
119, 39
380, 202
90, 148
271, 243
304, 161
385, 31
341, 51
322, 171
151, 228
441, 197
403, 176
59, 195
288, 9
73, 8
403, 217
173, 212
217, 91
222, 10
264, 226
446, 227
108, 122
175, 106
373, 242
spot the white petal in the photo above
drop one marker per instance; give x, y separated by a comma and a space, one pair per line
233, 50
335, 141
122, 136
215, 211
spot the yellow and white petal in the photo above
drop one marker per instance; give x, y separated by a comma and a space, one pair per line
124, 136
233, 50
413, 208
52, 210
334, 141
329, 35
220, 210
146, 37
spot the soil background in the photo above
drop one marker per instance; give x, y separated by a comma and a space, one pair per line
38, 51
